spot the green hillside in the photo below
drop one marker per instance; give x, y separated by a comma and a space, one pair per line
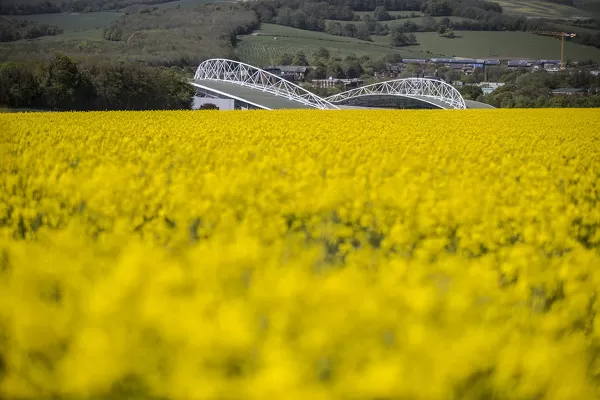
503, 45
543, 9
265, 46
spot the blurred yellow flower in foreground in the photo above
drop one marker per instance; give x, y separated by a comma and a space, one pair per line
300, 255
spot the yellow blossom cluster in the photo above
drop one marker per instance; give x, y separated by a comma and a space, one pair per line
300, 255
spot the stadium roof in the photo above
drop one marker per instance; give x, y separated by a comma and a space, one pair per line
262, 89
477, 104
257, 97
248, 95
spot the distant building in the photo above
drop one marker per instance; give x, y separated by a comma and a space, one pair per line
331, 82
393, 70
513, 64
489, 87
273, 70
419, 61
568, 91
492, 62
549, 63
290, 72
552, 69
464, 63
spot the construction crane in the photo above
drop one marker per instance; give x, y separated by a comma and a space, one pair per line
562, 35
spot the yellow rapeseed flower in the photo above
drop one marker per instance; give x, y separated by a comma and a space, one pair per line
300, 255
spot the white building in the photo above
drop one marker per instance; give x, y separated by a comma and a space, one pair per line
489, 87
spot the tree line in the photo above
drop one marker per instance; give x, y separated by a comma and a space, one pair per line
82, 6
368, 26
62, 83
528, 90
344, 10
481, 15
324, 17
12, 29
522, 88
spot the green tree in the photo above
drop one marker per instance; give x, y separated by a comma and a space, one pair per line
451, 75
370, 22
300, 59
18, 86
298, 19
284, 59
334, 28
349, 30
471, 92
436, 8
322, 53
284, 16
378, 65
352, 69
362, 32
334, 70
399, 39
175, 92
317, 72
63, 87
541, 102
381, 14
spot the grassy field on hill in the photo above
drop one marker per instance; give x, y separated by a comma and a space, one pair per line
591, 6
272, 41
83, 35
89, 26
264, 49
541, 9
182, 3
503, 45
181, 37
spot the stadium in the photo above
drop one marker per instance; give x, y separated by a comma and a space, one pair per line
235, 85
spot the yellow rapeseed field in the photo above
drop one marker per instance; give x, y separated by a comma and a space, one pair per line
355, 255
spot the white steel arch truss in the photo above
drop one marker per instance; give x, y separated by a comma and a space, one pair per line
423, 89
239, 73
